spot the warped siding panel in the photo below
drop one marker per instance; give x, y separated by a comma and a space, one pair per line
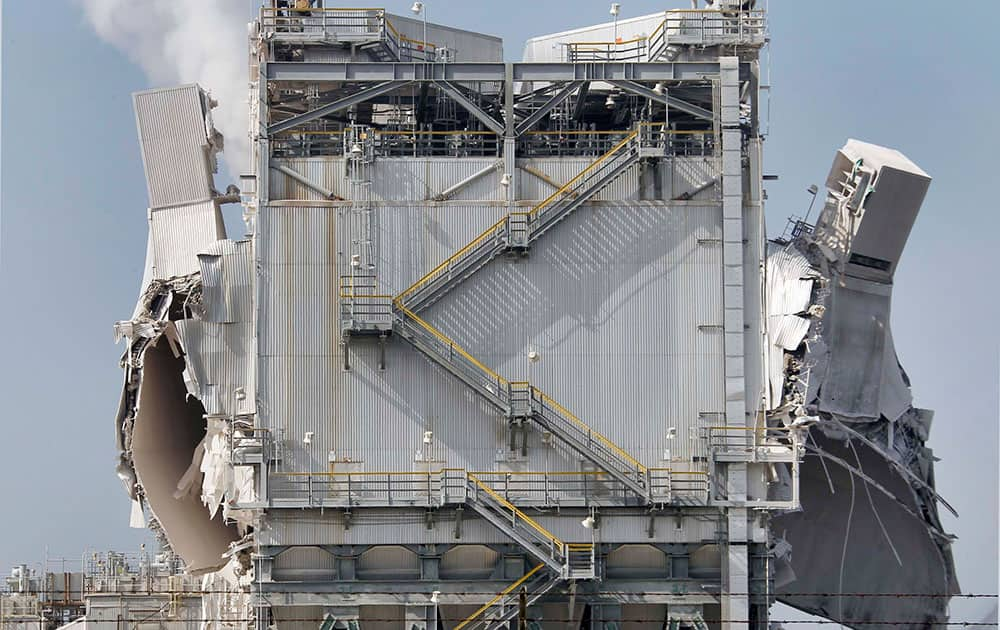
174, 145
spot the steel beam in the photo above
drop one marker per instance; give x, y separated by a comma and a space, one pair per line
549, 105
374, 72
581, 101
671, 101
336, 106
492, 123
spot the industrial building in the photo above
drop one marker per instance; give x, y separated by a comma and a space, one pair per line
502, 339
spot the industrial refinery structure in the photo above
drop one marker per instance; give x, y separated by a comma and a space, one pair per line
508, 339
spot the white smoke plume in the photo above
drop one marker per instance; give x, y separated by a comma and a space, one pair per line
188, 41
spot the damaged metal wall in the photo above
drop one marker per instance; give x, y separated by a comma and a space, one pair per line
869, 522
189, 374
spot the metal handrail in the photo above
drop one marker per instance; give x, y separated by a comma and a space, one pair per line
587, 431
452, 345
327, 19
548, 200
555, 544
507, 591
709, 25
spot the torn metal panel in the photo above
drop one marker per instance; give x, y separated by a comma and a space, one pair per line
853, 538
869, 521
219, 361
179, 234
168, 427
227, 281
188, 368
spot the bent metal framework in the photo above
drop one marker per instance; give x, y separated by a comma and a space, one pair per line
512, 334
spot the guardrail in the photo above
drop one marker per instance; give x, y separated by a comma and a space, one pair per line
357, 488
522, 489
758, 443
361, 307
361, 25
682, 26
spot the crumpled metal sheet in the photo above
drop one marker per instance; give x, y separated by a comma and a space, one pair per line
869, 523
852, 537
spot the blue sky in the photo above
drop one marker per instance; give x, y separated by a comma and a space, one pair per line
909, 75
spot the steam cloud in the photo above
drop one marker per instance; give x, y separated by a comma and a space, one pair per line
188, 41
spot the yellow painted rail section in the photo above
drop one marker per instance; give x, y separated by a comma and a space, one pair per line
615, 149
593, 433
507, 591
559, 544
501, 381
491, 231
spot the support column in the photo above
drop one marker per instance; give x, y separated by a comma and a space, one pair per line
605, 616
735, 561
509, 136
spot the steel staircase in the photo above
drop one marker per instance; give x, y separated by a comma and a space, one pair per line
522, 400
498, 611
569, 561
519, 229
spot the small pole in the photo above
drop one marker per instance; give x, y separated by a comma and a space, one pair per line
522, 609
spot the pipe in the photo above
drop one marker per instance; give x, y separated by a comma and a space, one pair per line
451, 190
305, 181
697, 189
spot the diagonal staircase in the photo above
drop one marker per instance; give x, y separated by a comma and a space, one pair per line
563, 561
569, 561
519, 229
498, 611
522, 400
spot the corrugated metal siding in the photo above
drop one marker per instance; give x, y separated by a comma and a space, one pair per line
392, 526
173, 139
220, 359
227, 272
393, 179
179, 234
562, 170
612, 299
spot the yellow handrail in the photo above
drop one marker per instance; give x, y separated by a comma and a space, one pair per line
506, 591
592, 166
476, 241
559, 544
586, 427
445, 339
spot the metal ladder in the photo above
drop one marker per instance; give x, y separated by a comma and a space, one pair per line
519, 229
569, 561
522, 400
498, 611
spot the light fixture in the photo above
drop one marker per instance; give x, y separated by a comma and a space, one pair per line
417, 7
308, 439
356, 149
428, 437
590, 522
616, 8
660, 88
533, 355
434, 597
505, 179
355, 260
610, 103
